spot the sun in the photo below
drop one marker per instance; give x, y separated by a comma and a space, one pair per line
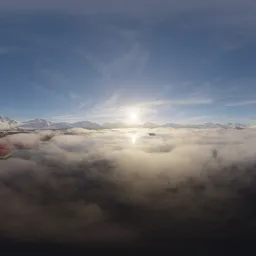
132, 116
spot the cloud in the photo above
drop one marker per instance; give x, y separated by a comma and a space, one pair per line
115, 109
123, 185
128, 64
176, 102
241, 103
112, 100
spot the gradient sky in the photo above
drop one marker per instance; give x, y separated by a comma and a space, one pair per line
186, 61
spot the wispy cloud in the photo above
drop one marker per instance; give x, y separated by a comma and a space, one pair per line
176, 102
129, 63
241, 103
112, 100
110, 110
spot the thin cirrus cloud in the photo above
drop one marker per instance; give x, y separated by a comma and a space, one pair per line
241, 103
132, 56
176, 102
108, 111
129, 62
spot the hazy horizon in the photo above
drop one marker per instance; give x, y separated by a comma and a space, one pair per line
135, 124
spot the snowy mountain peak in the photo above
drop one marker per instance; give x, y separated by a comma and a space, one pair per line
44, 124
87, 125
150, 125
7, 123
36, 124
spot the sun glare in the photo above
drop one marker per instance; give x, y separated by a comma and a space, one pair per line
132, 116
134, 138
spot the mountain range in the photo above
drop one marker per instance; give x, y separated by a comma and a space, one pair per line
7, 123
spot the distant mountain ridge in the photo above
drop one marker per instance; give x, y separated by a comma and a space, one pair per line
150, 125
207, 125
7, 123
36, 124
43, 124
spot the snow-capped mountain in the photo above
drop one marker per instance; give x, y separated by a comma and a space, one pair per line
36, 124
87, 125
61, 125
207, 126
7, 123
150, 125
236, 126
173, 125
116, 125
44, 124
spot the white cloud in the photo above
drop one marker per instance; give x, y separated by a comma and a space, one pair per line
125, 185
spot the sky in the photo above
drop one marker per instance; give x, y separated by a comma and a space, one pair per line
186, 61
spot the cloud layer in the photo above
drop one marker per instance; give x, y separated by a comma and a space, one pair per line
126, 186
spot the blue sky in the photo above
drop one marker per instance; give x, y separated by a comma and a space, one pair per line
187, 61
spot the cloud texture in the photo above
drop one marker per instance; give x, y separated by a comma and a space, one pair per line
126, 186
